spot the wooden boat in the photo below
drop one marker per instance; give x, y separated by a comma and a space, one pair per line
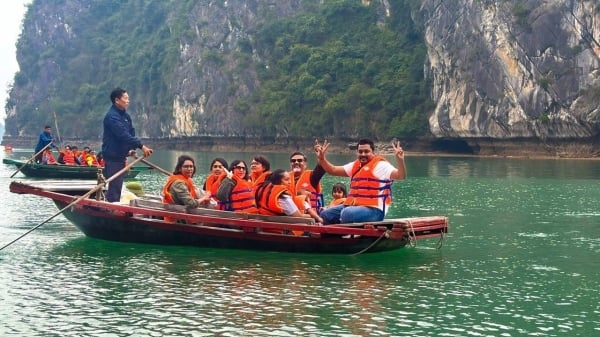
65, 171
141, 221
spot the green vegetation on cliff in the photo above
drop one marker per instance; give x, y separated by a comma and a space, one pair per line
339, 68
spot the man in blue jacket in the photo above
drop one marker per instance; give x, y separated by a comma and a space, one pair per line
45, 139
118, 139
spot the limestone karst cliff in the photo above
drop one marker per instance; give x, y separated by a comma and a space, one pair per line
493, 69
514, 69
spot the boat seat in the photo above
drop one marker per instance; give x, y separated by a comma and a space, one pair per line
221, 214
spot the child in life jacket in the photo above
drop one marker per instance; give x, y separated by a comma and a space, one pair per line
339, 194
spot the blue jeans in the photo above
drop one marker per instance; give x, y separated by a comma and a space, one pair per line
114, 186
349, 214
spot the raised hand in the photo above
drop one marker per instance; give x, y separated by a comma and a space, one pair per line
320, 149
398, 150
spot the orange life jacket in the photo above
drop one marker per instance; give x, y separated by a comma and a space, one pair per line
68, 157
336, 202
366, 189
168, 198
303, 182
79, 157
213, 182
257, 181
48, 158
89, 159
267, 196
242, 196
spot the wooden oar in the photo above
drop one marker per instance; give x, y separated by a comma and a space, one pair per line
147, 162
57, 132
93, 190
30, 159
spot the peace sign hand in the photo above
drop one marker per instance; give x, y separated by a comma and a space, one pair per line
320, 149
398, 150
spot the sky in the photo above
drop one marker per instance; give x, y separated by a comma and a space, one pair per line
11, 15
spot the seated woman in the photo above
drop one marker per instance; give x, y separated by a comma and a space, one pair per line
66, 156
240, 194
273, 197
180, 189
218, 166
259, 169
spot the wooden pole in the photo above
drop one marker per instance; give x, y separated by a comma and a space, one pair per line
30, 159
99, 186
147, 162
57, 132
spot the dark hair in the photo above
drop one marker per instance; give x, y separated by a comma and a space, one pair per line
298, 153
276, 177
220, 160
180, 160
364, 141
235, 163
339, 187
47, 127
117, 93
263, 161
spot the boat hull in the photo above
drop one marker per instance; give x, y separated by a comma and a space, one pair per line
94, 224
142, 221
65, 171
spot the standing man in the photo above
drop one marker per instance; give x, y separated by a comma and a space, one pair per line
371, 179
303, 179
45, 139
118, 139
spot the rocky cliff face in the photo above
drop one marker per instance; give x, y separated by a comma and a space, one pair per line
209, 79
514, 69
499, 69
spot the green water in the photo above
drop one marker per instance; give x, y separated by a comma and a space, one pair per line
521, 259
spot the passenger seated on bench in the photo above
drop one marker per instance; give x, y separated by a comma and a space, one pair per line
274, 198
179, 188
48, 157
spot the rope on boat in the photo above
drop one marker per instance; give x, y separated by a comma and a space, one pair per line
101, 180
384, 234
412, 236
441, 241
442, 235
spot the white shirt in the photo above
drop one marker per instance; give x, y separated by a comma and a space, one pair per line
383, 171
287, 204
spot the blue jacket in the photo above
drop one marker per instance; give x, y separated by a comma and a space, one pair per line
119, 135
45, 139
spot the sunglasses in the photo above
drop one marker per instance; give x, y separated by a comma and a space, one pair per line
296, 160
240, 167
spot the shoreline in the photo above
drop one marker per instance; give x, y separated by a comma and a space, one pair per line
579, 149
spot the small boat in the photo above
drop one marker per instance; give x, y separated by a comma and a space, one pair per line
142, 221
65, 171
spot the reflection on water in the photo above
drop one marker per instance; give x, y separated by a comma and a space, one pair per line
520, 259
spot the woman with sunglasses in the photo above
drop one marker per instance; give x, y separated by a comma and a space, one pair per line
179, 188
236, 192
